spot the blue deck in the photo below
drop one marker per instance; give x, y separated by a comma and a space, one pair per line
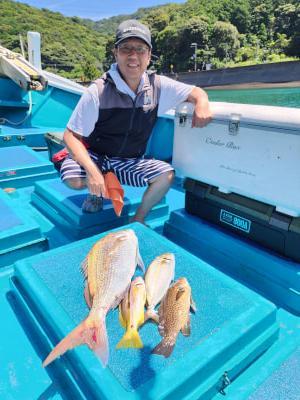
26, 324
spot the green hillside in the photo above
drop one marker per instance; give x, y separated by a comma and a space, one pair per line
67, 44
227, 32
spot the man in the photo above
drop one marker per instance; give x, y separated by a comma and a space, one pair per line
110, 127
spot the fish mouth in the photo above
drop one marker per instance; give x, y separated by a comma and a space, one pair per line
167, 257
182, 282
138, 281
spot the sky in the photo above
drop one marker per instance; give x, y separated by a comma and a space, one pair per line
95, 9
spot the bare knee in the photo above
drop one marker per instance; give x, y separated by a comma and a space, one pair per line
166, 178
75, 183
170, 176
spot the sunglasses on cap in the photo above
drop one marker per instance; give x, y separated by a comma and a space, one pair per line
127, 49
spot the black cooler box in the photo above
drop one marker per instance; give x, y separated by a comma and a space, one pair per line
246, 217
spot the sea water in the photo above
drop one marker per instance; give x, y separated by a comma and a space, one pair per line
283, 97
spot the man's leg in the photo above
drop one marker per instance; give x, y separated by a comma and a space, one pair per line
75, 183
156, 190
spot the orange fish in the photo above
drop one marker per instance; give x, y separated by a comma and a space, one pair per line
115, 192
108, 268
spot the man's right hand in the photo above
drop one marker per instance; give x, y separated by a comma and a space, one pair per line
95, 184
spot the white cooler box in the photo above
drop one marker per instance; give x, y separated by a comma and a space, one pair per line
244, 171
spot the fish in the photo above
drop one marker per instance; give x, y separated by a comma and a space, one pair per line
115, 192
131, 314
174, 316
108, 269
159, 275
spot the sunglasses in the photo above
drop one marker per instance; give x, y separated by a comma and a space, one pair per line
127, 49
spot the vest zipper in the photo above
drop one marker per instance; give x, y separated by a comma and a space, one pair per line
130, 125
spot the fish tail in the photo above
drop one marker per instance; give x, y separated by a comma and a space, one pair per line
164, 348
151, 314
92, 331
131, 339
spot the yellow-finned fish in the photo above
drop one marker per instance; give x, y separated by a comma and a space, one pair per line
108, 268
174, 316
132, 314
159, 275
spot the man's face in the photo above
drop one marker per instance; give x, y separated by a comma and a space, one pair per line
133, 57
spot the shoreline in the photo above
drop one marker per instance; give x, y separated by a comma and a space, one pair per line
254, 85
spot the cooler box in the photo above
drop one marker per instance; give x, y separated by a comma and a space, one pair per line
246, 217
243, 171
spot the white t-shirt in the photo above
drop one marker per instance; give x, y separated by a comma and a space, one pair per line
86, 113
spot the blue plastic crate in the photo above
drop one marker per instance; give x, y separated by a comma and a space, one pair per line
21, 166
232, 326
62, 205
20, 236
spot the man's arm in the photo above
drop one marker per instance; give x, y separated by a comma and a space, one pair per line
202, 113
95, 180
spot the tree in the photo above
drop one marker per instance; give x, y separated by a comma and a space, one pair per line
89, 69
225, 39
240, 17
294, 47
286, 17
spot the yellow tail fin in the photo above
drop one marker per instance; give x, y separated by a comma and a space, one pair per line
131, 339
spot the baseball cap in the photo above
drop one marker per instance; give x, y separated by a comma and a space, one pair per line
132, 28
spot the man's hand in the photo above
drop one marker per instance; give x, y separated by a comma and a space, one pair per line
202, 112
95, 183
202, 116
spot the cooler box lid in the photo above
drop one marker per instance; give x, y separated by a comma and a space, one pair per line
232, 326
249, 150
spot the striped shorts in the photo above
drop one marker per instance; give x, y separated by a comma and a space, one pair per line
130, 171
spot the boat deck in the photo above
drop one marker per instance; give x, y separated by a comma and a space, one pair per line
245, 340
260, 368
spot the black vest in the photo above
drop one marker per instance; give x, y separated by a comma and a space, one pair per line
124, 125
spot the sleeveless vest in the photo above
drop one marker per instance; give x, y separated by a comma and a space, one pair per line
124, 125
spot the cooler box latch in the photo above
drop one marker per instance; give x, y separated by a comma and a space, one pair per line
234, 124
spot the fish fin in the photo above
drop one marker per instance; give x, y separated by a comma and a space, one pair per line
164, 348
84, 267
92, 332
121, 319
87, 296
186, 329
151, 314
131, 339
139, 260
161, 328
193, 305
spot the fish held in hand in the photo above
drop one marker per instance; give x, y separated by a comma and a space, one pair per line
158, 278
174, 316
132, 314
108, 269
